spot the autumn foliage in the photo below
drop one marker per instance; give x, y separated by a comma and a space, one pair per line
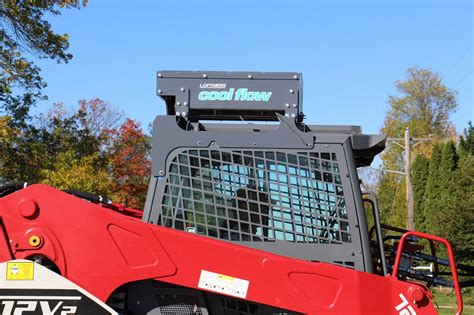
127, 154
91, 147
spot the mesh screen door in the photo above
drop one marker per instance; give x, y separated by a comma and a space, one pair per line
260, 197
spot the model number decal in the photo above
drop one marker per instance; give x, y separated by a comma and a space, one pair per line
45, 305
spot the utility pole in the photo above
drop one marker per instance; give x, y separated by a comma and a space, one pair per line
408, 185
408, 147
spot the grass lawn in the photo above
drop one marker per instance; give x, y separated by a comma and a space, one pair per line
447, 304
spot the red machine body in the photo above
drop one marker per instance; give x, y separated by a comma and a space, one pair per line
101, 250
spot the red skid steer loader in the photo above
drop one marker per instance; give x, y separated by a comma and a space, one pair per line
249, 211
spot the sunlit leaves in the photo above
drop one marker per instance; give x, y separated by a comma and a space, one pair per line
24, 33
90, 147
423, 103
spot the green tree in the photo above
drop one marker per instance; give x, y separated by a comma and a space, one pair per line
391, 196
457, 197
90, 148
39, 147
25, 33
449, 198
440, 203
461, 232
22, 154
448, 164
420, 172
432, 189
75, 147
71, 171
466, 141
422, 103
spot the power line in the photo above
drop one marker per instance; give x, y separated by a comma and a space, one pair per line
458, 61
395, 195
464, 78
387, 171
407, 146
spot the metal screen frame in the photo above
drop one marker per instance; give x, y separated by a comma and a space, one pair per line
258, 195
285, 137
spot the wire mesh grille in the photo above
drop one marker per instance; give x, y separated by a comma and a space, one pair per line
179, 304
257, 195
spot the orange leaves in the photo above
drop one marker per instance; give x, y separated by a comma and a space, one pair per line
90, 148
128, 158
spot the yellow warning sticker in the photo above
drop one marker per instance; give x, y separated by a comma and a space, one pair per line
20, 271
225, 278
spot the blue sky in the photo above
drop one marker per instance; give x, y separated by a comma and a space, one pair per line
350, 52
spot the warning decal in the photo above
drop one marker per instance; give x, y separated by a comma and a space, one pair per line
223, 284
20, 271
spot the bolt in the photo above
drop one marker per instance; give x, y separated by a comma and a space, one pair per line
295, 77
178, 103
159, 75
160, 91
27, 208
161, 172
185, 103
286, 115
35, 241
293, 115
199, 142
249, 76
309, 144
183, 114
204, 75
254, 144
287, 105
178, 114
292, 91
294, 105
182, 89
416, 293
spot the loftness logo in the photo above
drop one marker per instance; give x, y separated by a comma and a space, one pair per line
242, 94
212, 85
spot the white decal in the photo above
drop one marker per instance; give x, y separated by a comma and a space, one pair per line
223, 284
404, 308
